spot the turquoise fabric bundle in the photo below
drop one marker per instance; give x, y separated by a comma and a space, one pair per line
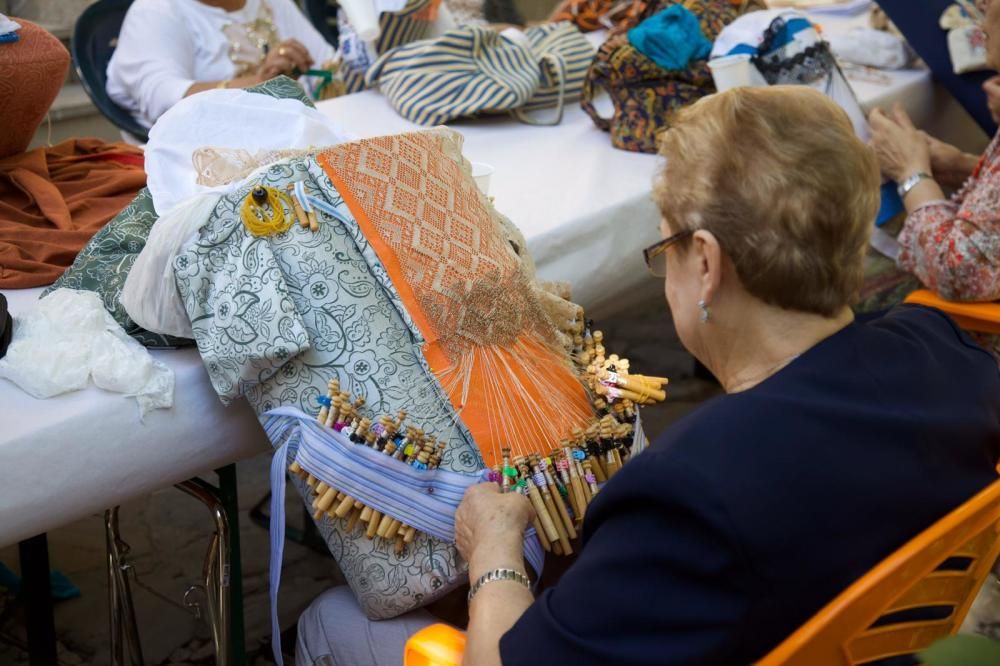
671, 39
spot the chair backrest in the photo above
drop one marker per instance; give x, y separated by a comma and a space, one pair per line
978, 317
918, 21
323, 15
882, 614
95, 37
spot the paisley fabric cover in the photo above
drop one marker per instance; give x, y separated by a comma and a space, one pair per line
104, 263
646, 96
276, 317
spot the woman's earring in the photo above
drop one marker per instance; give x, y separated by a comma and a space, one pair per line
705, 314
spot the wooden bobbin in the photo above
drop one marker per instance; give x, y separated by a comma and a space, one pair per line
542, 539
535, 497
394, 528
352, 522
588, 470
583, 481
373, 523
574, 478
384, 525
553, 499
345, 507
300, 213
326, 501
595, 467
562, 476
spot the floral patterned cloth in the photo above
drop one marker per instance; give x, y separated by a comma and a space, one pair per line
953, 246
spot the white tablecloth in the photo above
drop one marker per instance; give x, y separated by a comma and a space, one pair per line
79, 453
584, 207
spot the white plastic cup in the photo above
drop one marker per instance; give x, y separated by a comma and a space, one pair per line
363, 17
481, 172
733, 71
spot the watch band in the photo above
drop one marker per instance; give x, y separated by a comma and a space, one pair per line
498, 574
910, 182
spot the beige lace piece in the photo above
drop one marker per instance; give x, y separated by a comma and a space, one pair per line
221, 166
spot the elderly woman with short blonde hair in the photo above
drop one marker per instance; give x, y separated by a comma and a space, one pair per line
748, 515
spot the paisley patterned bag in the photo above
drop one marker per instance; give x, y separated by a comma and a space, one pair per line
407, 293
643, 95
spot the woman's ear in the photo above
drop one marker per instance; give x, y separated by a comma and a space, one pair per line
709, 259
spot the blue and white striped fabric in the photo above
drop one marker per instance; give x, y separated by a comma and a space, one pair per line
424, 499
395, 29
464, 72
565, 56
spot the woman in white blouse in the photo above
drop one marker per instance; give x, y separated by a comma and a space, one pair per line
169, 49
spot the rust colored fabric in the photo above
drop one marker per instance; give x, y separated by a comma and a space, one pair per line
32, 71
52, 200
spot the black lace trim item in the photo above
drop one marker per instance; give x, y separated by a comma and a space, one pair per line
804, 68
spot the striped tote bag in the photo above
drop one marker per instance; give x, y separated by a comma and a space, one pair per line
564, 56
411, 23
464, 72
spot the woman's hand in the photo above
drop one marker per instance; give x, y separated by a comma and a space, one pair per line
490, 521
285, 58
950, 165
901, 149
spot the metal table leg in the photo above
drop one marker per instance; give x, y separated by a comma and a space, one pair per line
222, 577
36, 593
124, 639
230, 500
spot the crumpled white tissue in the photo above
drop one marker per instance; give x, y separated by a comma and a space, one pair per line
69, 339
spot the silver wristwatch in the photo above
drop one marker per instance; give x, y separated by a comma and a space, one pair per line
498, 574
910, 182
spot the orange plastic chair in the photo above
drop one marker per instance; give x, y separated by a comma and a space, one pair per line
436, 645
979, 317
841, 634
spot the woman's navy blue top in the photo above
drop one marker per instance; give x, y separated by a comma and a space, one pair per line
749, 515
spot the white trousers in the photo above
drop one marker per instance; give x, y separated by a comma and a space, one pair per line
333, 631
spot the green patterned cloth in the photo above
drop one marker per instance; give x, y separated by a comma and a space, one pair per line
104, 264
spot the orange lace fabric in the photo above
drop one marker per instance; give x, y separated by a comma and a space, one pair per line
489, 340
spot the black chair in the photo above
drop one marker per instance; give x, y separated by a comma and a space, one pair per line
323, 15
94, 39
918, 21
